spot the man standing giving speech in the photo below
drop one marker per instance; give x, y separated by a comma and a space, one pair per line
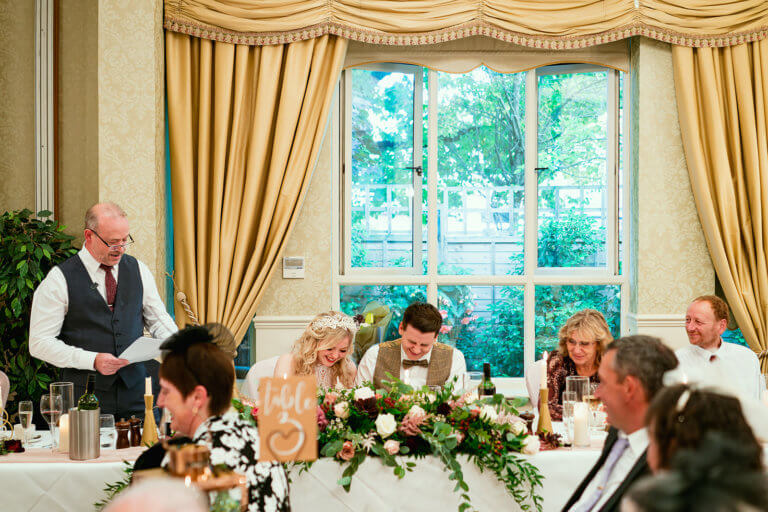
416, 358
93, 306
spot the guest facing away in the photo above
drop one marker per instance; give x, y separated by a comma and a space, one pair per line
631, 374
582, 342
323, 351
708, 358
196, 382
94, 305
416, 357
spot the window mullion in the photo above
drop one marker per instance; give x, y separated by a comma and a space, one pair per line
611, 174
530, 246
416, 203
346, 168
432, 85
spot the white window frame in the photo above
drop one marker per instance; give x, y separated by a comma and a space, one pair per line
532, 275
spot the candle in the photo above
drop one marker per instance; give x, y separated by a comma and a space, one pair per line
64, 433
544, 372
148, 386
580, 424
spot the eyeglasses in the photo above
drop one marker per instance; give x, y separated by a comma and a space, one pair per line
581, 344
114, 247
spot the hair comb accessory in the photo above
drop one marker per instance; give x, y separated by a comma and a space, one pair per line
334, 321
681, 403
185, 338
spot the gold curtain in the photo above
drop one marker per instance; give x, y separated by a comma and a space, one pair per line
561, 24
721, 98
245, 127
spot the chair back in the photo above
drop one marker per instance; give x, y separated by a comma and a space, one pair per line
533, 381
264, 368
5, 384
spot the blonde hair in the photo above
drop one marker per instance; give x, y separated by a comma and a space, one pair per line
324, 332
589, 323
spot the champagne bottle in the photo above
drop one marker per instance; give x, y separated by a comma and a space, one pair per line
88, 401
487, 387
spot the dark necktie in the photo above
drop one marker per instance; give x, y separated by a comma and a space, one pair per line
111, 285
407, 363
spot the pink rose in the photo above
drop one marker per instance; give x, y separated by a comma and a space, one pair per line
465, 320
322, 421
347, 451
330, 399
459, 437
392, 447
445, 329
443, 313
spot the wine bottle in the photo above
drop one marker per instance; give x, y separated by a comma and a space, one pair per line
487, 387
88, 402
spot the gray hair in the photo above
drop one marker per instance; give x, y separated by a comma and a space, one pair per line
646, 358
106, 209
159, 495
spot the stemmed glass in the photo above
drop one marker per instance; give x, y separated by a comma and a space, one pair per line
594, 406
51, 408
25, 417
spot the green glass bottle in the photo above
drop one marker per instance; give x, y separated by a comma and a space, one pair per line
487, 387
89, 402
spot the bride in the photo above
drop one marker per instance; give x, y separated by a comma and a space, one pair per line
323, 351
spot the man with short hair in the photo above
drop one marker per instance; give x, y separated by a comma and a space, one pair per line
631, 373
92, 306
709, 359
416, 358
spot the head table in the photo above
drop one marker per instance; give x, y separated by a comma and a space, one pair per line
39, 480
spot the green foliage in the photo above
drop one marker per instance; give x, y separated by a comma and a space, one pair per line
113, 489
30, 248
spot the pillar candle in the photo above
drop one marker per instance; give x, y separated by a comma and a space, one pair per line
544, 372
148, 386
580, 424
64, 433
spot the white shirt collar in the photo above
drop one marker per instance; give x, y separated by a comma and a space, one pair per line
638, 440
90, 263
706, 353
404, 356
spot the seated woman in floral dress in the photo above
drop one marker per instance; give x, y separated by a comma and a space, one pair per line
196, 382
582, 341
323, 351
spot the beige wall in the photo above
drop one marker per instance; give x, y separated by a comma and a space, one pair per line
17, 104
672, 261
78, 123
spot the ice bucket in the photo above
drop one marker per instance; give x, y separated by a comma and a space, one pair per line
83, 434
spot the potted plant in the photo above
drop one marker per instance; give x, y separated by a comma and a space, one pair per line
31, 246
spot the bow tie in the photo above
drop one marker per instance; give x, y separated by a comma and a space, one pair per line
408, 363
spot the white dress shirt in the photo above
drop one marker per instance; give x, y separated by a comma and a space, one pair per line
638, 443
51, 302
416, 376
730, 366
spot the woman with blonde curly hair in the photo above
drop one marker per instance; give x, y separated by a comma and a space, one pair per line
323, 351
582, 342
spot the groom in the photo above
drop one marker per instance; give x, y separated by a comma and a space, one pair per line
416, 358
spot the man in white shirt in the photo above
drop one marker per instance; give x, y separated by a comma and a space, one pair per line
92, 306
711, 360
631, 373
416, 358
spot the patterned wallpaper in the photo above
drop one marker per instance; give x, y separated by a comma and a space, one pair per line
673, 264
311, 238
17, 105
131, 137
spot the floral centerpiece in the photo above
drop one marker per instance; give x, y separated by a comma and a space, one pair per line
402, 423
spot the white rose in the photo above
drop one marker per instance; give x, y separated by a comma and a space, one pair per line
417, 412
431, 397
385, 425
531, 445
363, 393
518, 427
341, 410
488, 413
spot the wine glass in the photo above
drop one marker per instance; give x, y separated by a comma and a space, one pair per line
594, 405
51, 408
25, 417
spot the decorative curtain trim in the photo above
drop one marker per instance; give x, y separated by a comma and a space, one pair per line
476, 28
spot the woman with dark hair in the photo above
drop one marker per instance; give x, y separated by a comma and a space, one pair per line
680, 417
582, 341
196, 382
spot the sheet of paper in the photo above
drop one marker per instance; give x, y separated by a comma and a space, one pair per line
143, 349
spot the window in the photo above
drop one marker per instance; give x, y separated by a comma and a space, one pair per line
497, 197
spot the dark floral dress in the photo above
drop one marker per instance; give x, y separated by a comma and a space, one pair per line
558, 368
235, 443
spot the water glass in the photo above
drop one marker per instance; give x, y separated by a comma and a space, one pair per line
569, 398
25, 417
107, 432
67, 392
579, 385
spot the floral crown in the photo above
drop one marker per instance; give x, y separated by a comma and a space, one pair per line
334, 321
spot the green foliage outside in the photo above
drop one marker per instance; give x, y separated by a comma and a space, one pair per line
30, 248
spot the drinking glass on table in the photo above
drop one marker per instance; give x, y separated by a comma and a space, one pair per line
25, 417
107, 432
594, 407
579, 384
50, 408
569, 398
